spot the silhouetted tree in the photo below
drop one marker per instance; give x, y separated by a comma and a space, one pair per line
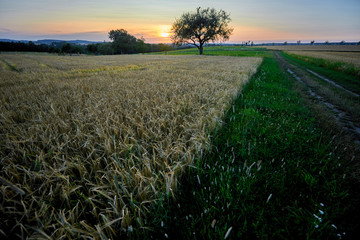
54, 50
66, 48
105, 49
92, 48
23, 47
76, 49
164, 47
122, 41
201, 27
31, 45
141, 46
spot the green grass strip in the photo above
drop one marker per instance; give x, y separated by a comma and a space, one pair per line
236, 51
345, 74
270, 174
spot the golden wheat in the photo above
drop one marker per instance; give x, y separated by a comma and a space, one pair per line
338, 53
347, 57
324, 47
89, 143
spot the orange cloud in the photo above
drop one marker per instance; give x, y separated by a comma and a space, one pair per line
252, 33
152, 32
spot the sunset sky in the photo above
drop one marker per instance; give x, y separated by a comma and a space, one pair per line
255, 20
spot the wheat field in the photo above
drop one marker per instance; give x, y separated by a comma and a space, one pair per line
347, 57
323, 47
337, 53
89, 143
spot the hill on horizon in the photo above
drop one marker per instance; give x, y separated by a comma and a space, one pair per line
50, 41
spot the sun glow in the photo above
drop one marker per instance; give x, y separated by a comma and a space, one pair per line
165, 31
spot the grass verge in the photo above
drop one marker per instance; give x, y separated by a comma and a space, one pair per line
235, 51
271, 174
343, 73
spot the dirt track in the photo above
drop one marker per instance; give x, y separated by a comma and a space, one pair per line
323, 90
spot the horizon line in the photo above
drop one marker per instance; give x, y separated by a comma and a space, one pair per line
218, 43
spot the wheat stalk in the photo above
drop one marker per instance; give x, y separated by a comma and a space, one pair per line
89, 143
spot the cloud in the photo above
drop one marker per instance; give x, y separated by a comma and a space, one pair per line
91, 36
5, 30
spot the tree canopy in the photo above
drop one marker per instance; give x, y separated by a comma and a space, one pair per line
201, 27
122, 41
125, 43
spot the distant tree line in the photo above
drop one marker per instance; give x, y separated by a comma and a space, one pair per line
125, 43
23, 47
122, 43
55, 47
109, 48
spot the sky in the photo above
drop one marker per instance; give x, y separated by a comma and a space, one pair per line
253, 20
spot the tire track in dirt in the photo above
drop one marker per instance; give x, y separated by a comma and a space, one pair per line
342, 117
332, 83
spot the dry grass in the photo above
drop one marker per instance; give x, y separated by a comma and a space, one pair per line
329, 48
87, 144
336, 53
347, 57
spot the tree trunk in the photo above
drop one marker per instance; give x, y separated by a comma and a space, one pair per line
201, 49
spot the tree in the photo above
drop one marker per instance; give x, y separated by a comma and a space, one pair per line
201, 27
92, 48
164, 47
66, 48
54, 50
123, 42
105, 48
77, 49
140, 45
